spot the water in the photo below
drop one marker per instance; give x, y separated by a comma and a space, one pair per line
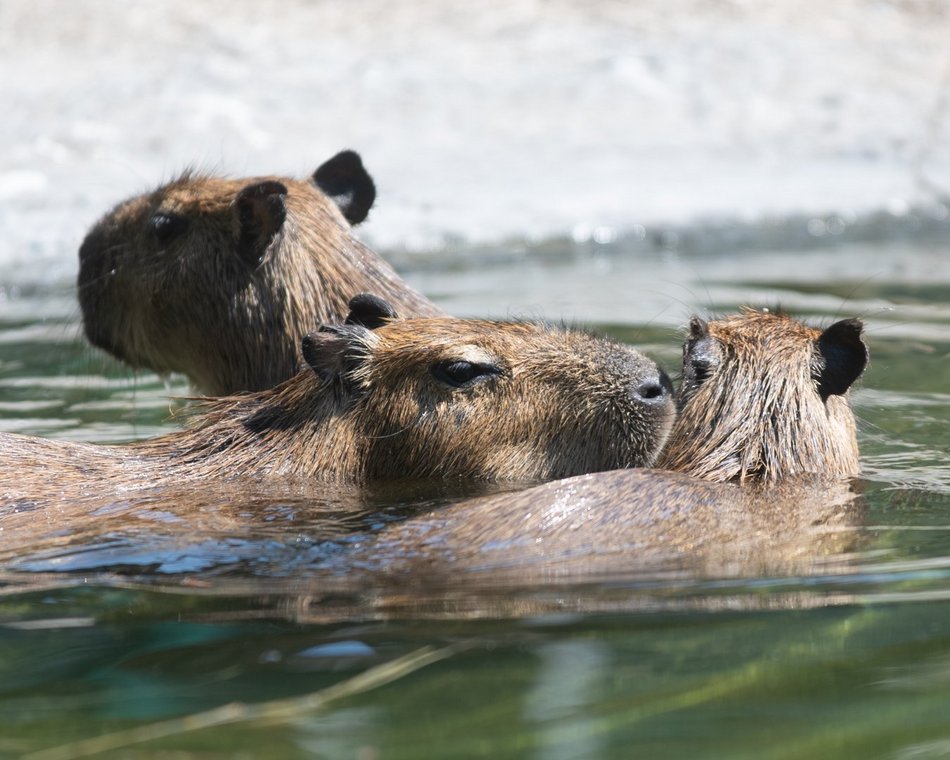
159, 613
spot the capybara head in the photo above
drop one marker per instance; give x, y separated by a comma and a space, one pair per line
446, 398
220, 278
764, 397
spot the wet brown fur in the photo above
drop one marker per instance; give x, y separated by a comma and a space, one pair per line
759, 415
561, 403
607, 524
761, 484
193, 305
630, 523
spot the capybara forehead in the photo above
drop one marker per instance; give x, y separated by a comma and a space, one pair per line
763, 330
196, 194
442, 333
445, 337
193, 193
547, 349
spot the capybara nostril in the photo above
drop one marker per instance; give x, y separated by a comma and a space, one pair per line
650, 390
657, 388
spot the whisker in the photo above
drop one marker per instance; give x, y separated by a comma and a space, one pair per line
390, 435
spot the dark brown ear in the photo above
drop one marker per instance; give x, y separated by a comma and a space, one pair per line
844, 355
701, 354
345, 180
698, 328
261, 209
369, 311
333, 351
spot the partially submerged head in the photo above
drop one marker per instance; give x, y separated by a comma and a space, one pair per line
764, 397
495, 400
448, 398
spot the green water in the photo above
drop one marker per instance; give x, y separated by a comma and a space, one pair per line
106, 634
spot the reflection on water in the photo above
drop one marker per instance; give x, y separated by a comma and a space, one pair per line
570, 682
115, 614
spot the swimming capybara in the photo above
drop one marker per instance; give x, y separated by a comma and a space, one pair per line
764, 397
385, 398
220, 279
762, 447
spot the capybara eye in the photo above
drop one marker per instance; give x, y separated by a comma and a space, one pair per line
458, 373
166, 227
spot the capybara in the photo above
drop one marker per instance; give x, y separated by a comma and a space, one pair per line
764, 397
472, 557
763, 445
385, 398
220, 279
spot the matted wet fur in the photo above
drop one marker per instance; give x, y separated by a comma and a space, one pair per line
764, 397
422, 398
220, 279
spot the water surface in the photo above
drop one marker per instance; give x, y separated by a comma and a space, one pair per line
150, 616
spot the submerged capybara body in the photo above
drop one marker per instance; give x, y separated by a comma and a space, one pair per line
387, 398
762, 447
220, 279
611, 524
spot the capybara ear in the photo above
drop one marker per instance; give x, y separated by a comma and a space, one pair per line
345, 180
333, 351
844, 355
325, 351
369, 311
701, 354
698, 328
260, 210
